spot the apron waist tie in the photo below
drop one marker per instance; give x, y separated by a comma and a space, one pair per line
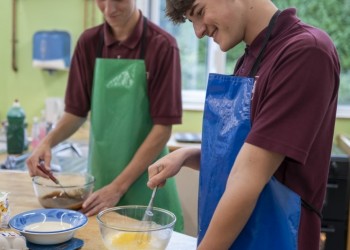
311, 208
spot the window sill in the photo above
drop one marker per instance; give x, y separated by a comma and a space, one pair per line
193, 100
343, 111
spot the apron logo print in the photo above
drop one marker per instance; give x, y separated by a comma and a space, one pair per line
231, 111
124, 80
223, 107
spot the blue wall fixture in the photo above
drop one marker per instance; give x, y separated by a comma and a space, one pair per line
51, 50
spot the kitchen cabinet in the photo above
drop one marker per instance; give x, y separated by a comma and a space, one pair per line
187, 182
335, 221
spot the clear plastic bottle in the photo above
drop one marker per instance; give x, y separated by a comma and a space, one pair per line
15, 133
35, 133
42, 126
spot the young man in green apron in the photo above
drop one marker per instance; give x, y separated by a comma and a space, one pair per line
127, 72
267, 129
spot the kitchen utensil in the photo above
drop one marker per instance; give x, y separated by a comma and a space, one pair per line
41, 166
147, 219
148, 213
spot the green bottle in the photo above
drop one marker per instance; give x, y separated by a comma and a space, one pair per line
15, 133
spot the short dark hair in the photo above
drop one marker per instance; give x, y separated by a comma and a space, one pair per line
176, 9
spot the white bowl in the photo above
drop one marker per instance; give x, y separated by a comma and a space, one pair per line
48, 226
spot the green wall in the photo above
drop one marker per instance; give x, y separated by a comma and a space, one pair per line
31, 85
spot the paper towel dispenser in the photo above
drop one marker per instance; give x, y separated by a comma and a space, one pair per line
51, 50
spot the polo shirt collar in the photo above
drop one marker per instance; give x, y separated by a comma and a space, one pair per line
131, 42
285, 21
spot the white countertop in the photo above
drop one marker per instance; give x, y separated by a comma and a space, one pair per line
180, 241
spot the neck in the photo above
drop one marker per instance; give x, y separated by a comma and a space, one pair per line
260, 14
122, 32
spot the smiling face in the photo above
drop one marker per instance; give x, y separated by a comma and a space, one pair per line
118, 13
223, 20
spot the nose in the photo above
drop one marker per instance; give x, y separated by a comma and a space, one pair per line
199, 29
109, 7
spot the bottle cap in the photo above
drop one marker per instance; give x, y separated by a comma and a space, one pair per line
16, 103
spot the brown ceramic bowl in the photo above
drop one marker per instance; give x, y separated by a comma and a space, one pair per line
76, 188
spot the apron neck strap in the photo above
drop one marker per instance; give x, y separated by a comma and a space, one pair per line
263, 47
143, 41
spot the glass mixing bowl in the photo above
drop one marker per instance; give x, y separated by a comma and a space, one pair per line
122, 228
75, 189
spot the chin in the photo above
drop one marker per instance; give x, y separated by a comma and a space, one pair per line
224, 47
227, 46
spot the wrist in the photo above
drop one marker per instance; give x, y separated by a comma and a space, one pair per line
119, 187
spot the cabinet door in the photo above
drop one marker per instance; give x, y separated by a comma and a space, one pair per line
333, 235
335, 206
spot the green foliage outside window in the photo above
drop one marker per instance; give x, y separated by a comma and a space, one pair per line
331, 16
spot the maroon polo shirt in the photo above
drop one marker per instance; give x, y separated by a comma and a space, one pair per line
293, 110
162, 61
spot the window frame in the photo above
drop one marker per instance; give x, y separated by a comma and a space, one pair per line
191, 99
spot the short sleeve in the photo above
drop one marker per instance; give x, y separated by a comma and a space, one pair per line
165, 86
300, 90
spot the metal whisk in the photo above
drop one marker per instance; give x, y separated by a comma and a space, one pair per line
147, 219
148, 213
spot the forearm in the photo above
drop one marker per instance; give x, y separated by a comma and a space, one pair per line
192, 157
148, 151
231, 214
65, 127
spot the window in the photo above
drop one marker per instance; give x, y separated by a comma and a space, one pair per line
333, 17
193, 55
200, 57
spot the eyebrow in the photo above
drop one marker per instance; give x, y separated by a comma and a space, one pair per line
193, 8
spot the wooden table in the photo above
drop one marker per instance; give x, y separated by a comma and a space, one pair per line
22, 198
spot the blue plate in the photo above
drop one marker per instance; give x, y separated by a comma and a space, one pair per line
74, 218
72, 244
47, 235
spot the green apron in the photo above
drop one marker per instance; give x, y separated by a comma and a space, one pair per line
120, 122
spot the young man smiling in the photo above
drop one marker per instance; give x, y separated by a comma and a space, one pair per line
267, 130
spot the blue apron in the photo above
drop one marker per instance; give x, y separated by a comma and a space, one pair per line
274, 222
